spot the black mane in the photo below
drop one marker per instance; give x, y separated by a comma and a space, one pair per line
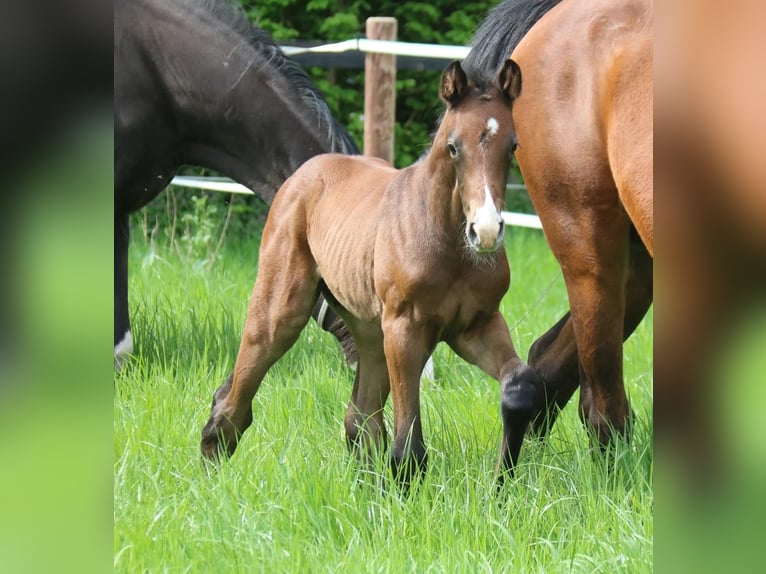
230, 14
499, 34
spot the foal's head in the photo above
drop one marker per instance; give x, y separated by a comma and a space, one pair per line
477, 136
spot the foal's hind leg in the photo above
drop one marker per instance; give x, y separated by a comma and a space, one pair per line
284, 294
331, 322
554, 355
365, 427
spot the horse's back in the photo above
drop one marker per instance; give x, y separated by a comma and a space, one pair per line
585, 112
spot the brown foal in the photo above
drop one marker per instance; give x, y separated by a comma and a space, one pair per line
407, 258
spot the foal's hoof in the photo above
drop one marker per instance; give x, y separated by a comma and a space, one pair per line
220, 437
214, 446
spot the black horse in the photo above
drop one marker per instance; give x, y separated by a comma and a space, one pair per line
196, 83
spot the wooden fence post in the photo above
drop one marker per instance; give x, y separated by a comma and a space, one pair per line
380, 92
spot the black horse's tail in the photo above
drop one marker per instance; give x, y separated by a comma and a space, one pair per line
499, 34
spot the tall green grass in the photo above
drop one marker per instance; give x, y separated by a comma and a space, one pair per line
293, 500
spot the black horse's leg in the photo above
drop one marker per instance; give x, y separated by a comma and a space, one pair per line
554, 354
123, 340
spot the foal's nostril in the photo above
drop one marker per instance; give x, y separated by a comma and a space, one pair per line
472, 234
501, 229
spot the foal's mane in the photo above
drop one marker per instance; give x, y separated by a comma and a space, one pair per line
499, 34
230, 14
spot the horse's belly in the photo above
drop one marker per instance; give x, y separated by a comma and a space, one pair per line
344, 259
353, 290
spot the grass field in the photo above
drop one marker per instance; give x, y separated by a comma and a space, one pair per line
292, 499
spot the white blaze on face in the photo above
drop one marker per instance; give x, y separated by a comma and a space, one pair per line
486, 223
122, 350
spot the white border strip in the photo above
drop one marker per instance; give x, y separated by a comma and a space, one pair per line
228, 186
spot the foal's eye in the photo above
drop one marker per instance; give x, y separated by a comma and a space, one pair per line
452, 150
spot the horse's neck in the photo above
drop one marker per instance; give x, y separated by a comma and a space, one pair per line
434, 190
236, 116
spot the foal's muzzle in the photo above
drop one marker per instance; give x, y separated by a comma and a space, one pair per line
485, 236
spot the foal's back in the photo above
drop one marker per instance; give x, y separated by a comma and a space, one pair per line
334, 204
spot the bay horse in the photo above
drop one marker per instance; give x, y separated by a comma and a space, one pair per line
584, 124
195, 83
407, 258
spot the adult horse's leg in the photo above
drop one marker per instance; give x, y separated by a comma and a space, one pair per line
554, 355
285, 291
595, 271
407, 347
123, 341
489, 346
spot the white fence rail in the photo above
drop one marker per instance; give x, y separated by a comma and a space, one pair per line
383, 47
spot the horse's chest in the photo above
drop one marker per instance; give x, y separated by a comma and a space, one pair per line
448, 300
469, 301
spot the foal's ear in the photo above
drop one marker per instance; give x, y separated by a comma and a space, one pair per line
454, 83
509, 79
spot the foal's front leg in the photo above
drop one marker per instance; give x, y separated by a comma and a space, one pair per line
488, 345
407, 349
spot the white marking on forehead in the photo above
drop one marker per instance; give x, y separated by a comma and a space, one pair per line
492, 126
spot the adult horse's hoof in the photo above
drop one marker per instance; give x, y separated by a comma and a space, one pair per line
220, 435
408, 468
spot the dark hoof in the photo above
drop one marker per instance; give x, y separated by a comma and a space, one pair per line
408, 468
220, 436
214, 445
